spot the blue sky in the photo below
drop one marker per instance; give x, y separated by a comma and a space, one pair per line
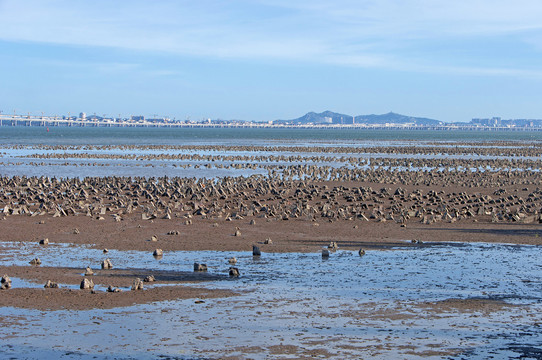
267, 60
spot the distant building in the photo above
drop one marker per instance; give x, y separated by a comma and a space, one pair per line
494, 121
82, 116
137, 118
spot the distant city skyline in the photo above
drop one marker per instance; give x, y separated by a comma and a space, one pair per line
265, 60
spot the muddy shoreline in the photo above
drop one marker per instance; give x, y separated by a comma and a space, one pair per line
397, 201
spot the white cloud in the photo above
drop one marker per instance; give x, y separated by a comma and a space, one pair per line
367, 33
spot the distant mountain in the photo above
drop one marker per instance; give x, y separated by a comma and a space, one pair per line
393, 118
326, 117
330, 117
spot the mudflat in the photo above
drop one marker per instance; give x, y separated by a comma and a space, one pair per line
403, 198
276, 215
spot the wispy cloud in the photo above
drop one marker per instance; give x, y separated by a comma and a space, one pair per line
389, 34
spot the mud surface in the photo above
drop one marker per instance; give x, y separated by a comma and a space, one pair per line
451, 234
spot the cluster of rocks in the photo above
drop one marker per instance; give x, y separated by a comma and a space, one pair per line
258, 196
492, 148
347, 163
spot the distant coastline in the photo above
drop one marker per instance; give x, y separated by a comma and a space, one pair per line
325, 120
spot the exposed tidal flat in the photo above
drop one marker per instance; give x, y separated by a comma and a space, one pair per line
448, 226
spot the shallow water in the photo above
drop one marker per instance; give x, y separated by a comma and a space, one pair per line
210, 163
344, 307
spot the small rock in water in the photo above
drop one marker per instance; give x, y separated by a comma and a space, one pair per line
35, 261
107, 264
200, 267
232, 261
5, 283
256, 251
158, 252
112, 289
106, 251
361, 252
149, 278
87, 284
325, 253
88, 271
234, 272
44, 241
138, 284
50, 285
333, 245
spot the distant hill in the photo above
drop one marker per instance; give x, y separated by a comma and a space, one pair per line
326, 117
330, 117
393, 118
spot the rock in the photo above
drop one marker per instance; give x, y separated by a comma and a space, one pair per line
44, 241
333, 246
158, 252
268, 241
154, 238
237, 232
252, 222
149, 278
76, 231
325, 253
50, 285
361, 252
256, 251
232, 261
173, 232
138, 284
5, 283
107, 264
234, 272
88, 271
106, 251
200, 267
112, 289
87, 284
35, 261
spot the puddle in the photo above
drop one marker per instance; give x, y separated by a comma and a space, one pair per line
386, 304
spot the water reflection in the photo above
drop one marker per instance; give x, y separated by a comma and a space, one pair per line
385, 304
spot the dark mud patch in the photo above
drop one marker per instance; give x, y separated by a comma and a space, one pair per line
69, 299
113, 277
